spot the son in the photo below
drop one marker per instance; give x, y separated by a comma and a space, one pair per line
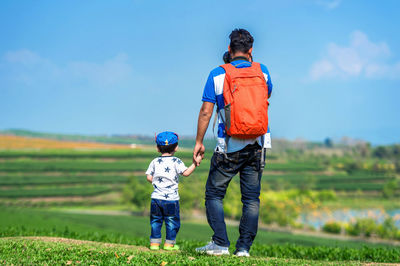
163, 173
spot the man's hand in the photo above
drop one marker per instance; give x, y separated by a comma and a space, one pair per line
198, 153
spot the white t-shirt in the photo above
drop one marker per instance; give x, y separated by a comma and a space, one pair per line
166, 171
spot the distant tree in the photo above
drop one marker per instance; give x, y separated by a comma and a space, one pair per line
382, 152
390, 187
364, 149
328, 143
396, 151
138, 192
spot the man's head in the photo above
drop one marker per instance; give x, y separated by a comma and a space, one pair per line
241, 43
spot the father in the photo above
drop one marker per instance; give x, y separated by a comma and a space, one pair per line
232, 154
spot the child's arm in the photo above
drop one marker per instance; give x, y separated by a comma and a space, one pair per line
150, 178
189, 170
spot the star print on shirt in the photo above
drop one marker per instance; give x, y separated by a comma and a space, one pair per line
160, 180
152, 173
176, 178
174, 159
167, 169
170, 186
179, 161
166, 196
159, 160
155, 186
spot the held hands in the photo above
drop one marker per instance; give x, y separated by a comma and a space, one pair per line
198, 153
197, 160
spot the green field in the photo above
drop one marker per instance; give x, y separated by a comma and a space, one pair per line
19, 168
56, 182
135, 231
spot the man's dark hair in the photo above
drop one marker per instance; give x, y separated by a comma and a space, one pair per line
167, 148
241, 41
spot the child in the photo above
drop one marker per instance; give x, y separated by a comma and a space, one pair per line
163, 173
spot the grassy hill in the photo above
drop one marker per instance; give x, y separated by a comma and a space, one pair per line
51, 250
269, 247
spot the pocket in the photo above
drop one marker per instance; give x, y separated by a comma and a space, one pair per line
227, 109
225, 163
256, 161
170, 209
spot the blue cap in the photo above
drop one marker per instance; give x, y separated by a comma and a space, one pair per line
166, 138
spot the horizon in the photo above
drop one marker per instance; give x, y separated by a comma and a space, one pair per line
72, 67
343, 140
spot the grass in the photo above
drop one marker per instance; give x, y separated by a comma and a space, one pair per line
65, 251
362, 202
80, 165
38, 179
135, 231
86, 173
82, 154
52, 192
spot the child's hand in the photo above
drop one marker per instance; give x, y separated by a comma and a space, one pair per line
198, 160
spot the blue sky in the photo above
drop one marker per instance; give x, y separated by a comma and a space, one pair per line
139, 67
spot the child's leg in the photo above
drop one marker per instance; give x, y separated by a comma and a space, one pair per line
172, 221
156, 221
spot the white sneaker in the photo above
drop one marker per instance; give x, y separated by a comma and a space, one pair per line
213, 249
242, 253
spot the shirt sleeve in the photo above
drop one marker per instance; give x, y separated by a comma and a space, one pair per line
150, 170
209, 90
180, 167
267, 78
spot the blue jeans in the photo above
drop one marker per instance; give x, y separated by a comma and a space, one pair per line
223, 168
164, 211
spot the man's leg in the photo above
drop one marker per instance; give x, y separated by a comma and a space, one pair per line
222, 169
250, 177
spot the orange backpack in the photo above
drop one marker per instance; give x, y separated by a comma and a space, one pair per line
246, 101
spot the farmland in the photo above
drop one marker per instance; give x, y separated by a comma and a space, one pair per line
43, 185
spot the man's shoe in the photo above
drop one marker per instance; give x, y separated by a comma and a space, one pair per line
154, 246
213, 249
170, 247
242, 253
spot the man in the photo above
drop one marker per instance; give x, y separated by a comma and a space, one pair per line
232, 154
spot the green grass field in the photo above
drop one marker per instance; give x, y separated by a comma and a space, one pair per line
135, 231
89, 180
21, 168
67, 251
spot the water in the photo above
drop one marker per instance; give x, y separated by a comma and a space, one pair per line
317, 219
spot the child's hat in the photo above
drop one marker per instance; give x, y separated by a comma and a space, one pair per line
166, 138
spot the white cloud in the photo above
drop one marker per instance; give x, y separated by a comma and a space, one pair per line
360, 58
329, 4
30, 68
23, 56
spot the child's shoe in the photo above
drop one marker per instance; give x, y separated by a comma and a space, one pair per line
154, 246
170, 247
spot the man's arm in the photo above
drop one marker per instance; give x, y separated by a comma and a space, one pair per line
202, 125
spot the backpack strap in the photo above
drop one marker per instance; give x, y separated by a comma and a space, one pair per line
233, 71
